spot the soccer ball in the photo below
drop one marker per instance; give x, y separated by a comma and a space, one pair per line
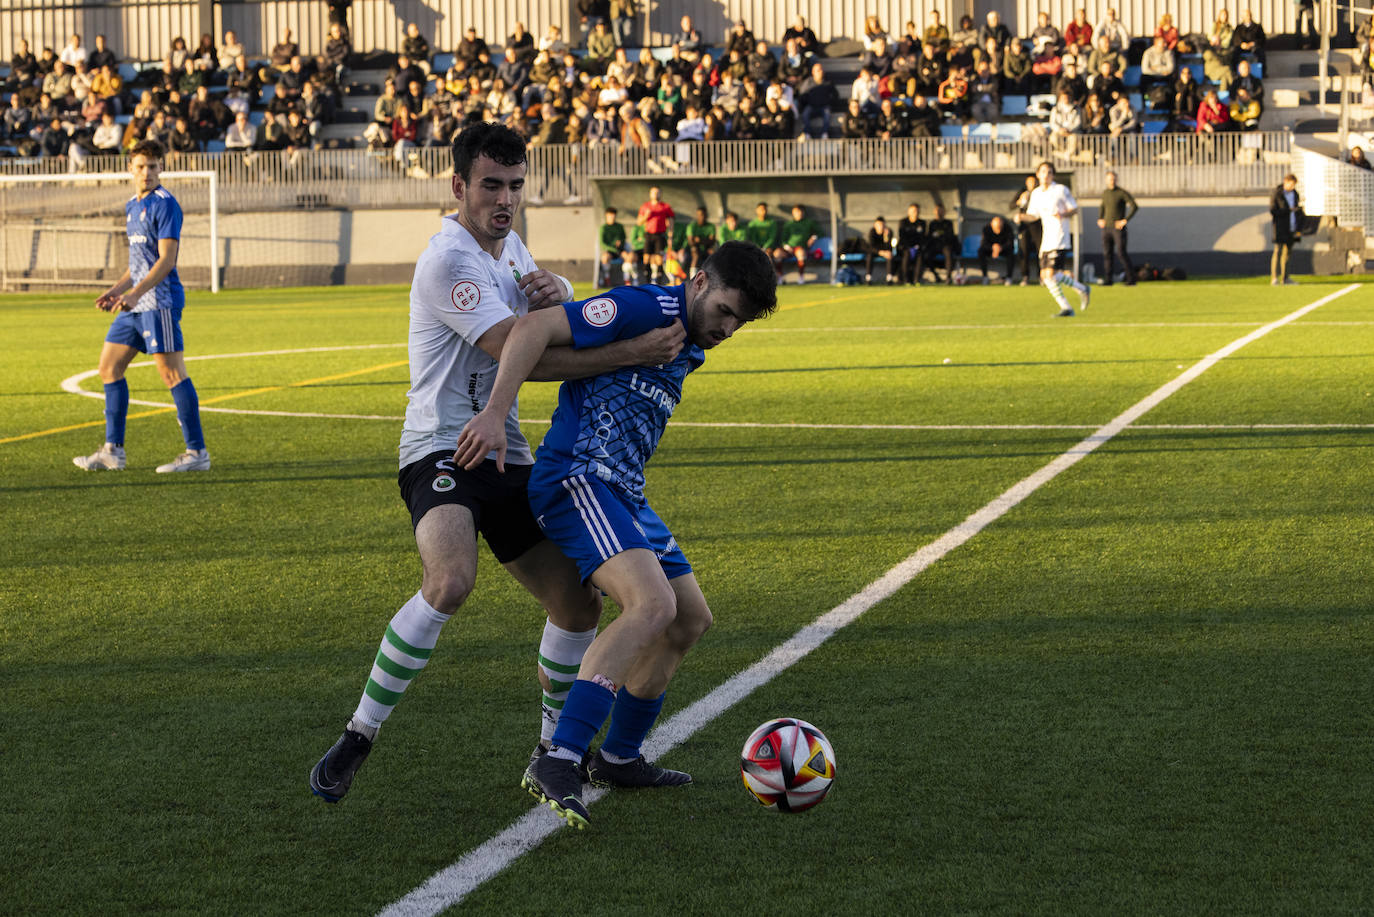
788, 765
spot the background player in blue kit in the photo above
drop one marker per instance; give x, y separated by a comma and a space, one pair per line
149, 298
587, 493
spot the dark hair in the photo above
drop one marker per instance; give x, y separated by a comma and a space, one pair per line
745, 267
494, 141
611, 210
149, 148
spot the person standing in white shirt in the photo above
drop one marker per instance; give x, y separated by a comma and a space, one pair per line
1054, 206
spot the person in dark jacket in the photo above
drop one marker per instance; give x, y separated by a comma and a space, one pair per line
1286, 211
997, 242
1115, 211
816, 97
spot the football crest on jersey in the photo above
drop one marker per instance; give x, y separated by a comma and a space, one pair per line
465, 296
599, 312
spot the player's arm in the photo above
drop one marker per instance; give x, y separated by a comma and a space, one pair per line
559, 363
166, 262
106, 301
525, 344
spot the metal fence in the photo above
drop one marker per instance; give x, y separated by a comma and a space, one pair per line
1151, 165
1334, 188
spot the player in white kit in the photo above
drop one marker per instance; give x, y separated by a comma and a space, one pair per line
1053, 205
470, 284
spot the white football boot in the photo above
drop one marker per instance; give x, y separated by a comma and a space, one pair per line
190, 460
109, 458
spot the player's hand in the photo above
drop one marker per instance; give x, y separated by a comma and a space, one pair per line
482, 435
542, 289
1102, 224
1120, 224
662, 345
105, 302
121, 304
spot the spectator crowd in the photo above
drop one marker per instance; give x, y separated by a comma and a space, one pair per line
78, 102
593, 88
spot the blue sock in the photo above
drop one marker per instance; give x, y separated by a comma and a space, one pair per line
631, 720
584, 711
116, 411
188, 413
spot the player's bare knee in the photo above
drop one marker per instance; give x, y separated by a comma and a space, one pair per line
446, 590
656, 611
690, 626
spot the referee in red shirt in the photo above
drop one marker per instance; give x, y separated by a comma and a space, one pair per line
657, 219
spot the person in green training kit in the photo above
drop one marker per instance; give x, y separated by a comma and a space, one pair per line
701, 240
797, 236
635, 265
677, 246
1116, 210
731, 231
762, 229
611, 239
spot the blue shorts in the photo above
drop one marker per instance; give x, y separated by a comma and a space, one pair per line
154, 331
592, 523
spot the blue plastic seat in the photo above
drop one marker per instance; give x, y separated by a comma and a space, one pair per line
441, 63
980, 131
970, 249
1131, 78
1013, 106
952, 131
1155, 126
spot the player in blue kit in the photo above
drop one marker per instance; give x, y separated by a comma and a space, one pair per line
149, 299
587, 494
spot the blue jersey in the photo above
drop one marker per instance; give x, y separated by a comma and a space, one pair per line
156, 216
608, 426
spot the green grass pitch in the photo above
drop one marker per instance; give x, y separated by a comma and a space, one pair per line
1147, 689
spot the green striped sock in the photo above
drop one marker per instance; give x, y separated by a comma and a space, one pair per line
560, 656
409, 641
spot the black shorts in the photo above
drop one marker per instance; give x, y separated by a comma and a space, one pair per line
1057, 260
498, 502
655, 243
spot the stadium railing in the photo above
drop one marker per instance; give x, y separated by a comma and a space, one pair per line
1334, 188
1148, 164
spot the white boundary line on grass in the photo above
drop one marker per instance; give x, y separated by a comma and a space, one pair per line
450, 885
72, 384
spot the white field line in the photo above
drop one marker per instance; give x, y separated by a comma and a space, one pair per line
450, 885
72, 384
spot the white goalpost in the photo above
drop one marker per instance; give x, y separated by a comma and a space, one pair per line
66, 230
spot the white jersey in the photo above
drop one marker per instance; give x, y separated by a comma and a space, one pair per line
1048, 204
458, 294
